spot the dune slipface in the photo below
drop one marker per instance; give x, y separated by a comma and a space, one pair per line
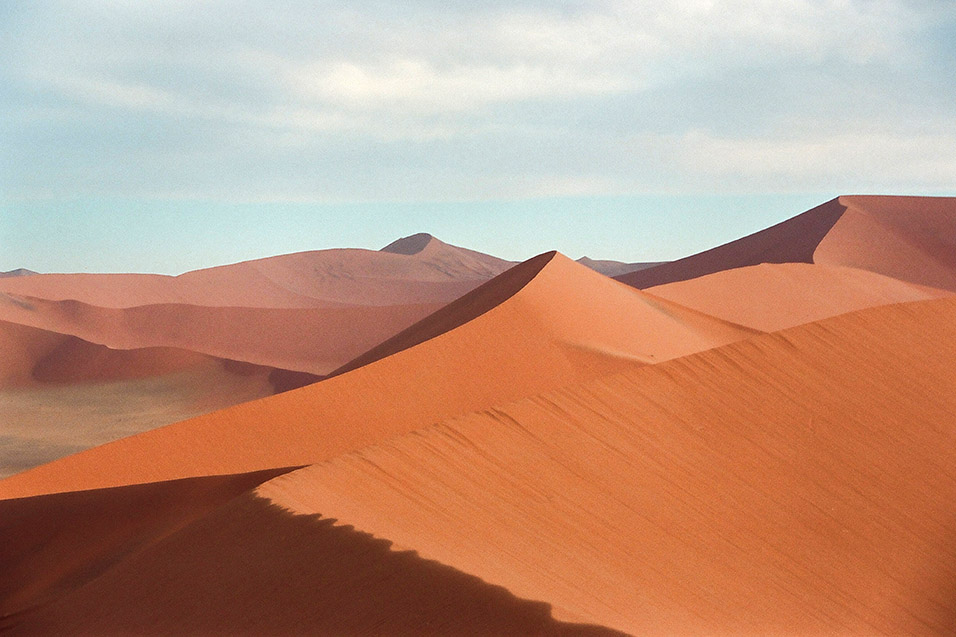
546, 323
909, 238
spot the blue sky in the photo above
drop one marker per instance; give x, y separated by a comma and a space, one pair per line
162, 135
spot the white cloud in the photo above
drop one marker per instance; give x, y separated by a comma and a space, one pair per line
418, 85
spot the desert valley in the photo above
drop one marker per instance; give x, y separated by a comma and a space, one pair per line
756, 439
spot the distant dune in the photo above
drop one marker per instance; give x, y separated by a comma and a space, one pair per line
323, 278
909, 238
774, 296
615, 268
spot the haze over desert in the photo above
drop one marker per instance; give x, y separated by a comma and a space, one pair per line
592, 317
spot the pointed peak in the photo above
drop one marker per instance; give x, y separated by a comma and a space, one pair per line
410, 245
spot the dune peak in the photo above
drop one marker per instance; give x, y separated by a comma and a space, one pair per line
412, 244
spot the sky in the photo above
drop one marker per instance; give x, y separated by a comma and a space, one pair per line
167, 135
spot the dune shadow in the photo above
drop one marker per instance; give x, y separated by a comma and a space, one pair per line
252, 567
53, 544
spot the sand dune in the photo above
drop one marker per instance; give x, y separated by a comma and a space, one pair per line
437, 273
772, 297
608, 267
766, 486
313, 340
57, 543
277, 574
763, 487
909, 238
546, 323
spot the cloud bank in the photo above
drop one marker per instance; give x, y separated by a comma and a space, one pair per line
429, 101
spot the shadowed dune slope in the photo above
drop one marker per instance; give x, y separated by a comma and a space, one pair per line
902, 237
313, 340
775, 296
54, 544
800, 482
32, 355
908, 238
320, 278
276, 574
546, 323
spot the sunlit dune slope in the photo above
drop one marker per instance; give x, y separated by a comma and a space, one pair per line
436, 273
800, 482
772, 297
546, 323
908, 238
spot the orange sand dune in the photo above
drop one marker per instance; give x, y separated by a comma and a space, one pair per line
774, 296
908, 238
313, 340
546, 323
437, 272
763, 487
800, 482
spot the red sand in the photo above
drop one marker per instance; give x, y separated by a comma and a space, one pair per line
774, 296
546, 323
909, 238
323, 278
314, 340
763, 487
